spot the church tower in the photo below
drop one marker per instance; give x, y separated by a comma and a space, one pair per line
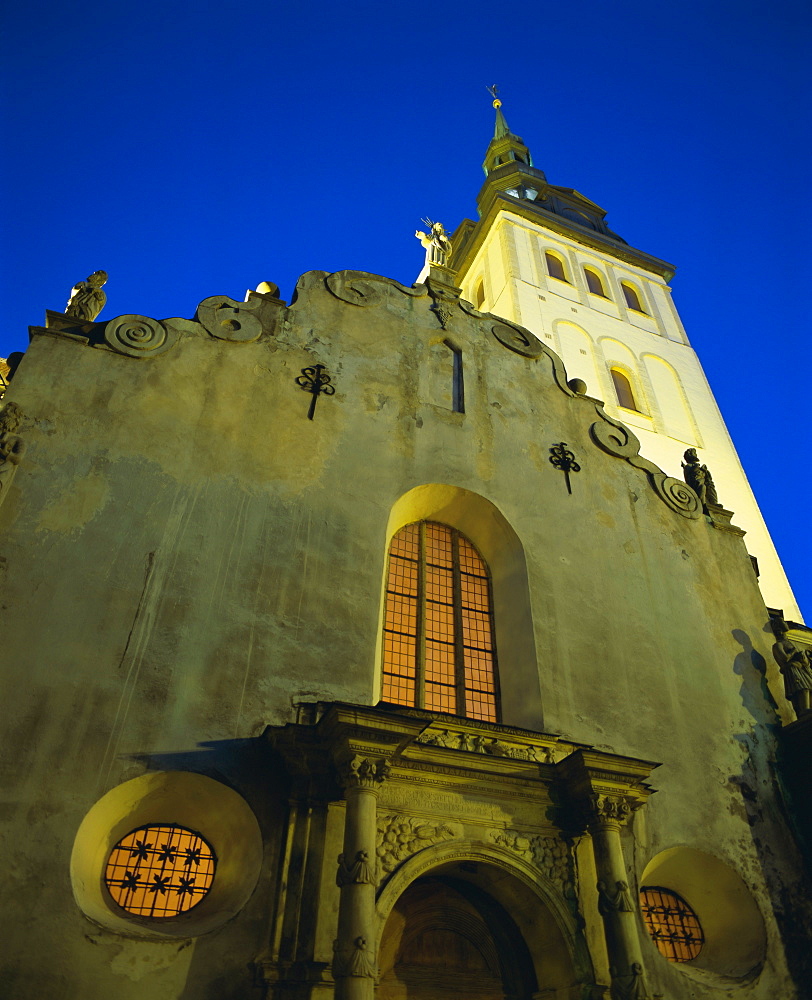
543, 256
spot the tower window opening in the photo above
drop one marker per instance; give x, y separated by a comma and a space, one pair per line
555, 266
672, 924
594, 282
160, 871
623, 390
439, 649
632, 297
479, 294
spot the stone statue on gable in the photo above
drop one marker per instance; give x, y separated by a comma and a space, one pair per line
796, 668
87, 298
436, 242
698, 477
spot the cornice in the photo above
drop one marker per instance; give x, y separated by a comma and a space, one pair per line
534, 213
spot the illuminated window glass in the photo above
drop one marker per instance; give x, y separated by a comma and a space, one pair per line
438, 628
160, 871
555, 267
623, 389
672, 924
631, 296
594, 282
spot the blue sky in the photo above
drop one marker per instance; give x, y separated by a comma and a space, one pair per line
193, 149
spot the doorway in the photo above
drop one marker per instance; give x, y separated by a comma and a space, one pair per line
447, 939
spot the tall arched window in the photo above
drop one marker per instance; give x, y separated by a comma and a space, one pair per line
439, 651
623, 389
632, 297
555, 266
479, 294
594, 282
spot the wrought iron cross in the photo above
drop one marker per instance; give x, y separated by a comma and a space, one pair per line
316, 381
564, 460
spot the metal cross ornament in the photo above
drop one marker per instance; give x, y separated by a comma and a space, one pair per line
564, 460
316, 381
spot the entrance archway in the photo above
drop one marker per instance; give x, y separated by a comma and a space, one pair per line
446, 939
471, 922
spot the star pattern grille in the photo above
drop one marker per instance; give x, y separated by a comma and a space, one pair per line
160, 871
672, 924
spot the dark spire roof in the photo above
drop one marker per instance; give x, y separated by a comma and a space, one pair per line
505, 146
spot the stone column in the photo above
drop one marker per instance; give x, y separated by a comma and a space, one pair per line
606, 817
354, 960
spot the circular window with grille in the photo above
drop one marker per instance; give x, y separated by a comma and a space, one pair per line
160, 870
672, 924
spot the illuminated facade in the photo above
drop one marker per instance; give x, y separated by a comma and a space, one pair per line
384, 665
542, 255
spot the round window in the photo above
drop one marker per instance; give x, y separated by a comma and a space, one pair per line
160, 870
672, 924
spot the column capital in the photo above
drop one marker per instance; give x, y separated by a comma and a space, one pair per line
358, 771
601, 790
610, 811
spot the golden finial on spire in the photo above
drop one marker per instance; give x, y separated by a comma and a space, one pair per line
494, 92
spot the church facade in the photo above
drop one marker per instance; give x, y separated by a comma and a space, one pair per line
353, 648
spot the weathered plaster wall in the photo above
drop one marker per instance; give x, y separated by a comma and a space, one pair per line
187, 556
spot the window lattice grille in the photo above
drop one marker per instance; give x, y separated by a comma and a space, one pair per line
438, 628
160, 871
672, 924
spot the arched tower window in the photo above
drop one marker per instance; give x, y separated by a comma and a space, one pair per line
439, 651
594, 282
479, 294
555, 266
630, 294
623, 389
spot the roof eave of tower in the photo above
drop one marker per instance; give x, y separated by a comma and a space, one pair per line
532, 212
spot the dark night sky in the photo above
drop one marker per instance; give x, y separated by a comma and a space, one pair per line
193, 149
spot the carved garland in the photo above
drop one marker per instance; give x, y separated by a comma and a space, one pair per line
399, 837
478, 744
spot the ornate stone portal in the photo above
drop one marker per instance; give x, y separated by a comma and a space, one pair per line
411, 796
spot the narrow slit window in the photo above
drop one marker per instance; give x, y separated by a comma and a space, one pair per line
623, 390
439, 650
594, 282
555, 267
632, 297
458, 385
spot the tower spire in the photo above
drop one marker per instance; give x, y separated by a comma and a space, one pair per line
505, 146
501, 128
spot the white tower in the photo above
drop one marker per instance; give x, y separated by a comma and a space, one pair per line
543, 256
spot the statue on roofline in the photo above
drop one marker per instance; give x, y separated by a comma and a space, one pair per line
700, 480
436, 242
796, 668
87, 298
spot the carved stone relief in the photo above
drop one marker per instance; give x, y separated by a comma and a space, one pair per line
12, 446
479, 744
137, 336
616, 439
361, 871
399, 837
228, 319
366, 772
360, 288
549, 854
518, 340
356, 961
